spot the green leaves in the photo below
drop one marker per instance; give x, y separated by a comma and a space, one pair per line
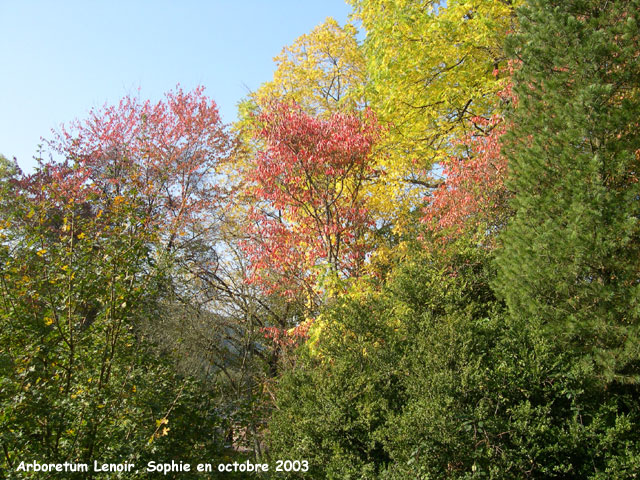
572, 151
79, 276
429, 376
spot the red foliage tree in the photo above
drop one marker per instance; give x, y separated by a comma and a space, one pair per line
473, 195
310, 212
166, 154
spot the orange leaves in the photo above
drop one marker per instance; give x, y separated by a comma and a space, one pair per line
291, 338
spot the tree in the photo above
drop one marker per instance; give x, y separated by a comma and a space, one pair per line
80, 382
573, 151
307, 186
426, 375
92, 249
170, 154
431, 69
323, 72
473, 198
176, 156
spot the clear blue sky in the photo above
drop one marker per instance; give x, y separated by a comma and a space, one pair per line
58, 59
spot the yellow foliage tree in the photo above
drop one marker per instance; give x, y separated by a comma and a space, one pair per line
432, 68
427, 69
323, 71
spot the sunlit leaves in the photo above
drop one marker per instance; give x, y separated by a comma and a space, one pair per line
310, 216
431, 70
323, 71
168, 154
473, 196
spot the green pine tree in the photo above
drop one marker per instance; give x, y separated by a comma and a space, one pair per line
570, 257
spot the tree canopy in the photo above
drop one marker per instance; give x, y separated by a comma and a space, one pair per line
414, 255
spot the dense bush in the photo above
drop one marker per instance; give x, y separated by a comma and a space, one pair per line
430, 378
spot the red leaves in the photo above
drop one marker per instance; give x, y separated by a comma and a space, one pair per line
165, 155
288, 339
474, 193
59, 185
474, 198
308, 183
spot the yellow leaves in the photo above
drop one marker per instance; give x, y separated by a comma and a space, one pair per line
432, 68
4, 226
315, 333
161, 429
323, 71
77, 393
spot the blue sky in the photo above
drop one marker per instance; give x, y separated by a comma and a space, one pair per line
59, 59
